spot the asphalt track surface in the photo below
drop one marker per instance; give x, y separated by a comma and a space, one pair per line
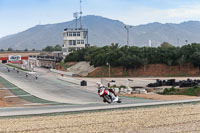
52, 89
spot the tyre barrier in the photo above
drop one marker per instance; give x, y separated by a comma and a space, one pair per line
172, 82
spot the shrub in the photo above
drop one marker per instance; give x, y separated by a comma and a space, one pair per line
122, 86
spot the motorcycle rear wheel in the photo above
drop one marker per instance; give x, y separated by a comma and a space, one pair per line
108, 99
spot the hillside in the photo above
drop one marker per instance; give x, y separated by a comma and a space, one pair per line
162, 70
104, 31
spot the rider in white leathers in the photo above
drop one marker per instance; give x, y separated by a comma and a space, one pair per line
112, 94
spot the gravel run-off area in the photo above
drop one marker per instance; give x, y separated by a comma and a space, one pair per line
158, 119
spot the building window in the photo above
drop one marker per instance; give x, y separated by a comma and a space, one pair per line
70, 34
78, 34
82, 41
74, 42
78, 41
70, 42
74, 33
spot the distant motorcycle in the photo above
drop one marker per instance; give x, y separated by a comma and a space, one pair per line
108, 95
36, 76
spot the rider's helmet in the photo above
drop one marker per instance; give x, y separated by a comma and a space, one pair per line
101, 85
98, 84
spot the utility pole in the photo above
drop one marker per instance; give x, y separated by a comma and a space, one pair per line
76, 17
108, 68
127, 27
81, 14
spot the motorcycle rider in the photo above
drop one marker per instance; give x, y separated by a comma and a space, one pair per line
36, 76
112, 94
26, 75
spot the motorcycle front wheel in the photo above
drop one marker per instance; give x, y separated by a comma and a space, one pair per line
107, 98
119, 101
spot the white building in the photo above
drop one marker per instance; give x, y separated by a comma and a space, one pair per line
74, 39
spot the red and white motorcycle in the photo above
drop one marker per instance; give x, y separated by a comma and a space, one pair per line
108, 95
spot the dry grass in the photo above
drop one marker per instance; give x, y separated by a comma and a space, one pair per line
6, 54
174, 118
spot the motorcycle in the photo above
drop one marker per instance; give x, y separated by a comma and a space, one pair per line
36, 77
108, 95
26, 75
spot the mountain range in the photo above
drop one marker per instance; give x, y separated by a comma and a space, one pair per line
104, 31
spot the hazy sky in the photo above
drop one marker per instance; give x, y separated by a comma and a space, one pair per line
18, 15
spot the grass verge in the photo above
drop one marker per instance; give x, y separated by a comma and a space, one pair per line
17, 91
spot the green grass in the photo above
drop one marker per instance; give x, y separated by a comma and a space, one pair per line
17, 91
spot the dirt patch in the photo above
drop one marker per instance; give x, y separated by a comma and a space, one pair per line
64, 66
6, 101
161, 97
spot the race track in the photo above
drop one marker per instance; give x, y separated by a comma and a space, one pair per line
72, 97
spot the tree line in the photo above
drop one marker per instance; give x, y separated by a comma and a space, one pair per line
46, 49
134, 57
10, 49
52, 48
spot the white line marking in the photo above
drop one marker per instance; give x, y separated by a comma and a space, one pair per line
14, 88
41, 104
17, 96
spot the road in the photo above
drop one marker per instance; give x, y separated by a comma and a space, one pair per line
75, 98
49, 88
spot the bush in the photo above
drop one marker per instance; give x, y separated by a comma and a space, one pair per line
171, 91
193, 91
165, 92
122, 86
114, 86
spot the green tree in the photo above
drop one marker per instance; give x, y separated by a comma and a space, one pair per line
195, 59
10, 49
58, 48
48, 49
134, 57
181, 61
165, 44
145, 63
